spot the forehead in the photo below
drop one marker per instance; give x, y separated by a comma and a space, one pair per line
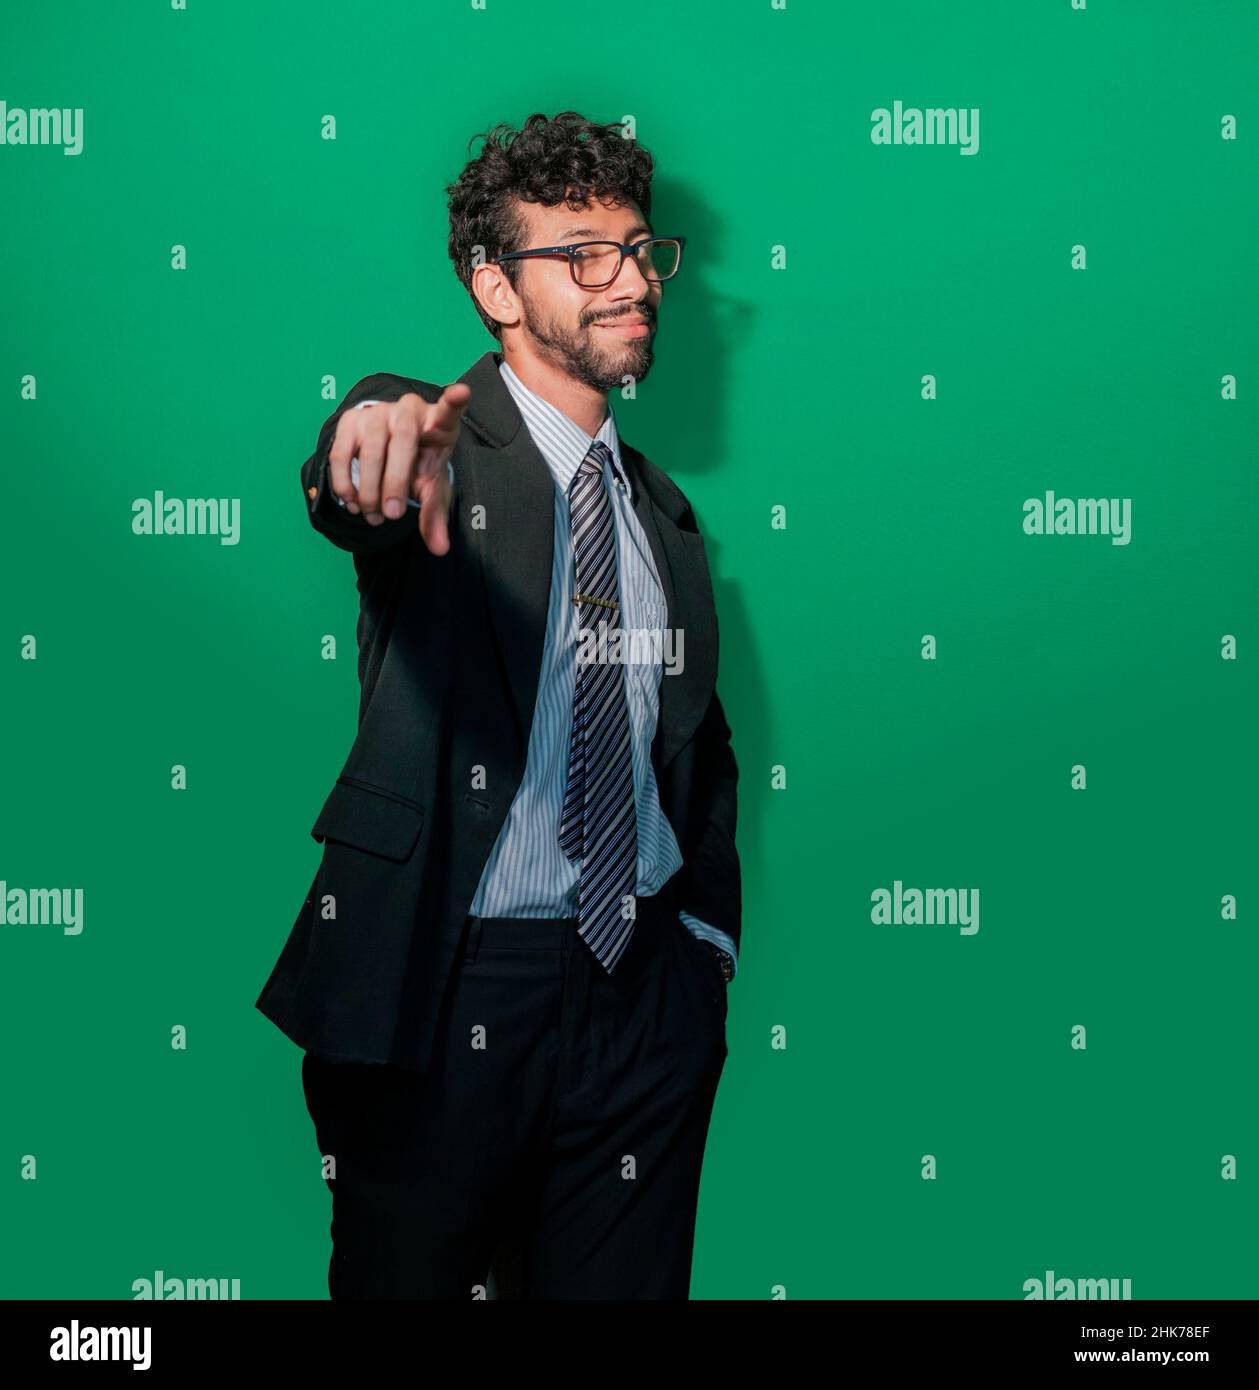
619, 221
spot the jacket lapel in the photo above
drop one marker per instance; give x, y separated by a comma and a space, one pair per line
515, 535
683, 571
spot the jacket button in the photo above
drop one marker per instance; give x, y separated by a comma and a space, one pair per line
312, 493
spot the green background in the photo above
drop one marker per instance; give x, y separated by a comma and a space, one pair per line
798, 387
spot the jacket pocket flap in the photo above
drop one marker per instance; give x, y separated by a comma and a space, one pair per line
369, 818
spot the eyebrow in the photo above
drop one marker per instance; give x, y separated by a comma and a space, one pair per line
635, 231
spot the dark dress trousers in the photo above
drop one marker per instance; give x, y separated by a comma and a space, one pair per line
385, 993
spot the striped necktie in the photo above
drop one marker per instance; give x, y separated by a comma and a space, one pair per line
599, 822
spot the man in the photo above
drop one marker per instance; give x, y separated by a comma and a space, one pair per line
509, 976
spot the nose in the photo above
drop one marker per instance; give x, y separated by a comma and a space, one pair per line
630, 281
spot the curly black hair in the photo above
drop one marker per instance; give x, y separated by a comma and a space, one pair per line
548, 161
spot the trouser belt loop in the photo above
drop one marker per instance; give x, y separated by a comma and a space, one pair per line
474, 939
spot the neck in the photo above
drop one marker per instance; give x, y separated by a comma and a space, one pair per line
583, 405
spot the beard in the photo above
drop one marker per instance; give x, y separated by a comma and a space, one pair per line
579, 353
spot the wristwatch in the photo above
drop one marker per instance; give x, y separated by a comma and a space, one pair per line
724, 959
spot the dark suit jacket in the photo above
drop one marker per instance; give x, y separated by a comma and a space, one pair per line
450, 649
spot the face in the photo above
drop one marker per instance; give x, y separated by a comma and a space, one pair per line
597, 336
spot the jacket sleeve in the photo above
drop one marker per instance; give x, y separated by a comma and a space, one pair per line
711, 888
344, 528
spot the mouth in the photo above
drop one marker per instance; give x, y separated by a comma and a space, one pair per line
625, 330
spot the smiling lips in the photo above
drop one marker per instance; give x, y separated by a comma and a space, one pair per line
626, 330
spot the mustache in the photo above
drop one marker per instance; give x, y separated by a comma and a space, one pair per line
639, 310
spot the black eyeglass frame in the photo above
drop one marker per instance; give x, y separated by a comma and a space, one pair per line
624, 247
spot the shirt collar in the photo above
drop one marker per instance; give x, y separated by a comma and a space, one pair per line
561, 441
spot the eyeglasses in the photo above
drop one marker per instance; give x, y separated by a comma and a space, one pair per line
595, 264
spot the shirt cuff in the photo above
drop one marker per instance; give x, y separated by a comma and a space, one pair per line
707, 933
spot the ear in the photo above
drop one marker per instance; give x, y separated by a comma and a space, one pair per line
495, 295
